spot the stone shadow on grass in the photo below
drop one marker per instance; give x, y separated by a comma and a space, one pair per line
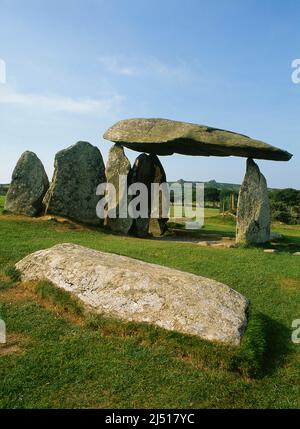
278, 345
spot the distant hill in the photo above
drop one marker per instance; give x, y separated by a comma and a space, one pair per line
213, 184
219, 185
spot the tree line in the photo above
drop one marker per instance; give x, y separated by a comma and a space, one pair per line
284, 203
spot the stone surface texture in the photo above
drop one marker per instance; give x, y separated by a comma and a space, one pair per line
165, 137
133, 290
78, 170
253, 212
118, 164
28, 186
148, 169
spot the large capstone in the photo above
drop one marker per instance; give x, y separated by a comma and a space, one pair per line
118, 175
133, 290
78, 170
28, 186
253, 212
148, 170
165, 137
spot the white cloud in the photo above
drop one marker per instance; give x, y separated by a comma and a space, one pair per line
118, 64
115, 65
178, 71
60, 103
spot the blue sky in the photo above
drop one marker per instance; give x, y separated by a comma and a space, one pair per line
75, 67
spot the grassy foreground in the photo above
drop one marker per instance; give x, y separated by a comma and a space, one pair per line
59, 356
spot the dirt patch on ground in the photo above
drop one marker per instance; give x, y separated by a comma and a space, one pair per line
4, 278
15, 293
10, 216
15, 343
203, 240
289, 283
63, 224
26, 291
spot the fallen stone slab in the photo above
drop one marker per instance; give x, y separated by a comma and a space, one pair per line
133, 290
165, 137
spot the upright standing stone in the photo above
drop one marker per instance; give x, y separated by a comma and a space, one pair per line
78, 170
118, 165
28, 186
147, 169
253, 213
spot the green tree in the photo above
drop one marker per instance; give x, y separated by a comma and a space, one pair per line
280, 212
289, 196
212, 195
285, 205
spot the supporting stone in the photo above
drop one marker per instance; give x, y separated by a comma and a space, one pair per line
253, 212
147, 169
28, 186
78, 170
118, 165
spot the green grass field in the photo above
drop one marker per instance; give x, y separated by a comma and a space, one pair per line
59, 356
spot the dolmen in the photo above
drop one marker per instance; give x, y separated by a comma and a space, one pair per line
79, 169
157, 136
